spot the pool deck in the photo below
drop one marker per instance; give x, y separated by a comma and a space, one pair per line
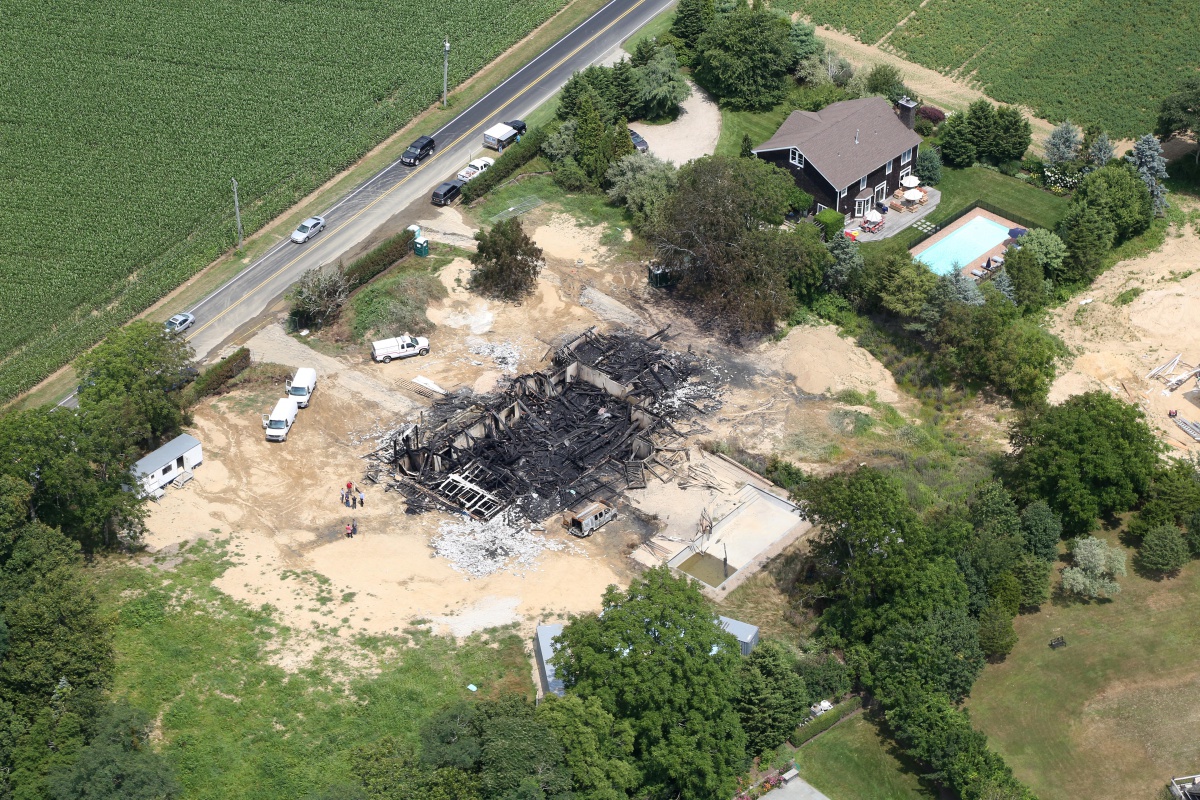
896, 221
998, 250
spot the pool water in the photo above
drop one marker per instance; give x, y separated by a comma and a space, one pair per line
706, 569
963, 246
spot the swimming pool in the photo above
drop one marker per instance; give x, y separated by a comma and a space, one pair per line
963, 246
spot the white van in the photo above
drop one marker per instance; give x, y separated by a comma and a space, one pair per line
301, 387
499, 136
386, 350
278, 423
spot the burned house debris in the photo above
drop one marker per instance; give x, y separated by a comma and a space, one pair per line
602, 418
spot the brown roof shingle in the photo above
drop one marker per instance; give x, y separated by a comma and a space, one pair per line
826, 138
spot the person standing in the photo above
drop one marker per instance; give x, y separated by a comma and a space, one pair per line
362, 499
342, 497
353, 528
349, 531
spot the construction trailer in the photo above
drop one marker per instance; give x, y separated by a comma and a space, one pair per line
171, 463
544, 650
744, 632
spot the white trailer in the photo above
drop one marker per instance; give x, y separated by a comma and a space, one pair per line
499, 136
174, 461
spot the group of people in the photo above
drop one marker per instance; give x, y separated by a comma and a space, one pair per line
353, 497
351, 528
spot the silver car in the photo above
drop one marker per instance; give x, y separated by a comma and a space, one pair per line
179, 323
308, 229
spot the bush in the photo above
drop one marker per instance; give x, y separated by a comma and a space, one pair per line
929, 166
931, 113
215, 377
379, 258
1010, 168
395, 305
825, 721
832, 221
509, 162
923, 126
1163, 550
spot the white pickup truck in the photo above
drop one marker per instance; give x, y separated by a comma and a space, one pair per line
475, 168
401, 347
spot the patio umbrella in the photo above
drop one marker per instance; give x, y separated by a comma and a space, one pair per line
872, 216
910, 181
913, 195
1017, 233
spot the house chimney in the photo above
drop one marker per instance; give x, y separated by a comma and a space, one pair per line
856, 135
908, 111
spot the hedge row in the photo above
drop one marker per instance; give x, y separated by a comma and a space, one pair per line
212, 379
509, 162
376, 260
826, 721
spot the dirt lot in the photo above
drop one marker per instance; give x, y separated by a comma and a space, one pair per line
278, 503
1116, 343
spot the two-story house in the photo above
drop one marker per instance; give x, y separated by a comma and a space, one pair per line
848, 155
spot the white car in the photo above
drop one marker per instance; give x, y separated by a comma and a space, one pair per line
308, 229
179, 323
475, 168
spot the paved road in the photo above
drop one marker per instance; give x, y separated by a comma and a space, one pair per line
358, 214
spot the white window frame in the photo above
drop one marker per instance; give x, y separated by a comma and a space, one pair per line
862, 182
821, 207
904, 173
842, 193
888, 168
860, 207
881, 192
796, 157
906, 156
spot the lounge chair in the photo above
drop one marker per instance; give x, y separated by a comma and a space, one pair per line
979, 273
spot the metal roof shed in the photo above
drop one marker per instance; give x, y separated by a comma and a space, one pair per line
746, 634
544, 652
175, 458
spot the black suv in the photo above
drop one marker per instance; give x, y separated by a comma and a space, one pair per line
518, 125
416, 151
447, 193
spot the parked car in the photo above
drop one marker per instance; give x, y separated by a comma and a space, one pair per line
179, 323
417, 151
447, 193
518, 125
386, 350
639, 143
308, 229
475, 168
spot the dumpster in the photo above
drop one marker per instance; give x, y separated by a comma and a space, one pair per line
421, 246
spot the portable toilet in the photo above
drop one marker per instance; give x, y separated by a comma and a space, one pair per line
416, 231
421, 246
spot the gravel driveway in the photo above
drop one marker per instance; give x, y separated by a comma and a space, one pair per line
692, 135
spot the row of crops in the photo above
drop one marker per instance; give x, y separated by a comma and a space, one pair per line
1094, 61
124, 121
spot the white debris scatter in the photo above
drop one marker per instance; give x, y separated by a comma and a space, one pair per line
506, 355
482, 548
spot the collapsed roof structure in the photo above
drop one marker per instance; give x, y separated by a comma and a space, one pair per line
588, 427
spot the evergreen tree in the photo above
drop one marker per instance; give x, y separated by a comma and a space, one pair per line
747, 150
506, 261
1088, 236
622, 143
847, 262
1063, 144
1033, 575
929, 166
692, 19
569, 96
1147, 157
643, 52
590, 140
746, 59
661, 86
1012, 135
958, 146
981, 125
1163, 550
625, 90
805, 42
1042, 530
1004, 285
1028, 280
997, 637
773, 700
1102, 151
963, 289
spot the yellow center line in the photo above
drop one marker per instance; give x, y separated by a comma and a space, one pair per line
417, 169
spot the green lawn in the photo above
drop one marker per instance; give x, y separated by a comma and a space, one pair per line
853, 761
236, 726
761, 125
1117, 707
652, 29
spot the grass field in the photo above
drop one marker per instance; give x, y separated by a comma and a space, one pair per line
118, 160
236, 726
1117, 707
853, 760
1091, 60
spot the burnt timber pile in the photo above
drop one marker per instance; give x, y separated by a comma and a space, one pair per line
593, 424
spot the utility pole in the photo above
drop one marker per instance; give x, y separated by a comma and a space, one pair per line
445, 68
237, 212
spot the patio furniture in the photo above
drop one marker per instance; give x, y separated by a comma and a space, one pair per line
978, 273
895, 206
910, 181
873, 227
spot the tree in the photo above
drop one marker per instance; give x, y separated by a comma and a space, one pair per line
1033, 576
1028, 280
590, 140
522, 757
625, 89
1091, 456
886, 80
940, 653
661, 86
692, 19
1180, 111
507, 262
1046, 248
906, 290
847, 262
1147, 158
1102, 151
1088, 235
1119, 194
139, 366
390, 770
1097, 565
831, 221
929, 166
621, 144
318, 296
1192, 537
1012, 135
1006, 593
598, 749
824, 676
657, 658
118, 763
1063, 143
745, 59
1163, 551
641, 183
996, 634
747, 150
773, 698
805, 42
981, 127
1041, 530
958, 146
1004, 285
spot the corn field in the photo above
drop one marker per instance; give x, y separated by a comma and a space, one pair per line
122, 124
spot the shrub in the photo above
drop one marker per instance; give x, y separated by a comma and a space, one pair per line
1163, 550
929, 166
318, 296
395, 305
832, 221
923, 126
826, 721
512, 159
216, 376
932, 113
1010, 168
379, 258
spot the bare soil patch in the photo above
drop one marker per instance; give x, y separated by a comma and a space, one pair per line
693, 134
